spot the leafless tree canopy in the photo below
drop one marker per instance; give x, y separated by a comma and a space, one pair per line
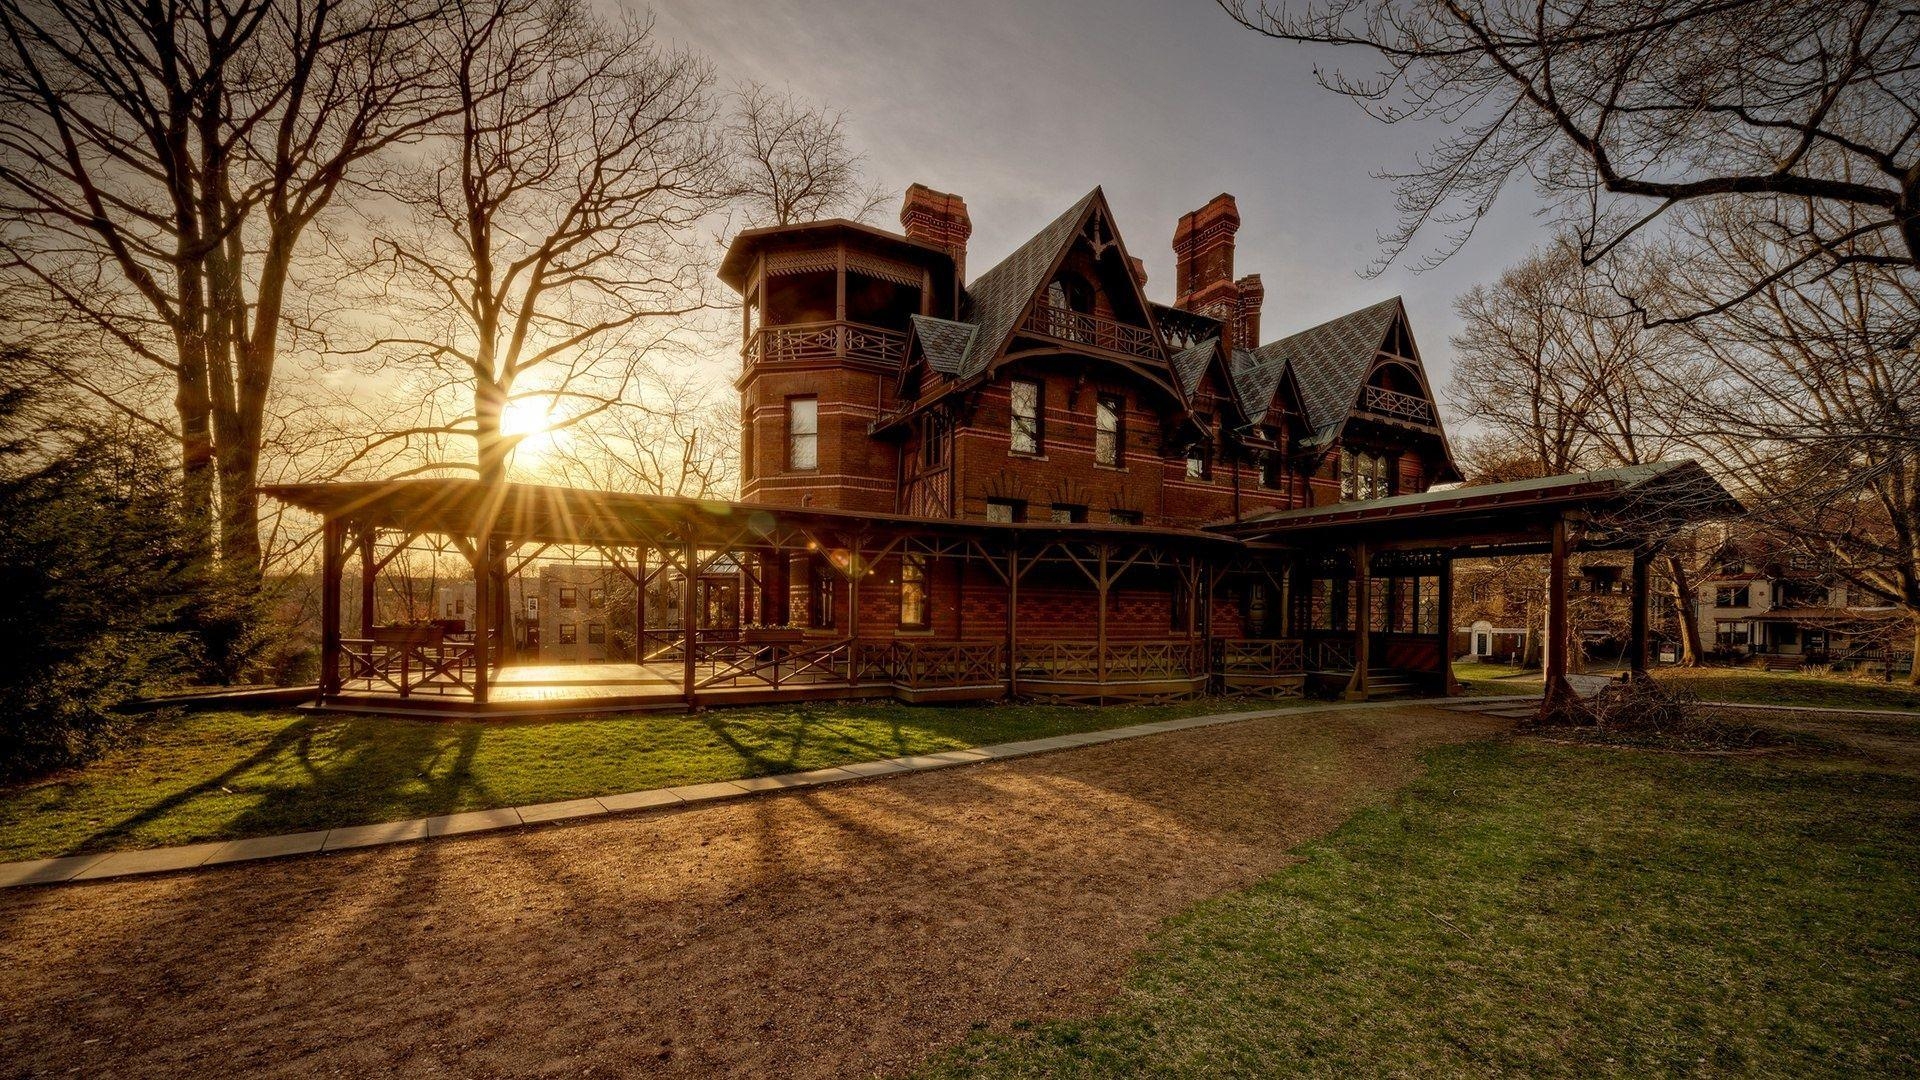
546, 237
795, 161
1621, 112
160, 166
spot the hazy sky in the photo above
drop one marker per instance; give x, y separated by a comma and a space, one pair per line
1021, 106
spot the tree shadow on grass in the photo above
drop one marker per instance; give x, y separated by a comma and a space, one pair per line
324, 773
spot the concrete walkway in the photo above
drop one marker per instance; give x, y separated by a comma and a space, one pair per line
116, 864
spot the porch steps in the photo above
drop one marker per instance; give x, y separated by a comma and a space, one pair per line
1784, 665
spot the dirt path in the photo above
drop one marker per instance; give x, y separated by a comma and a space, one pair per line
849, 930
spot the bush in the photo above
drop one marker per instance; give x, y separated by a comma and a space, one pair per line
96, 567
1641, 712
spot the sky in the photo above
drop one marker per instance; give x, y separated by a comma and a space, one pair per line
1022, 106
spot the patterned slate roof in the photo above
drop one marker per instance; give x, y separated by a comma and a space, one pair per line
1624, 478
1256, 377
1330, 363
1190, 365
1001, 294
944, 342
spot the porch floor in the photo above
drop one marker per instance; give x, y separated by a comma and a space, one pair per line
579, 687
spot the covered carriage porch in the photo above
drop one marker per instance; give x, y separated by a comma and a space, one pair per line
810, 603
1370, 591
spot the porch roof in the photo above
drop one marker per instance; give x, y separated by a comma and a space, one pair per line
548, 513
1621, 507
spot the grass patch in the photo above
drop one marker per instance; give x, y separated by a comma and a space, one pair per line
1532, 909
1736, 684
224, 775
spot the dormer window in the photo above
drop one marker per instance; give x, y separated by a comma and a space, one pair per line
1109, 431
1199, 462
1364, 475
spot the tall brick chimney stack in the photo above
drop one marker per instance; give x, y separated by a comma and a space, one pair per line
1246, 322
1203, 263
937, 218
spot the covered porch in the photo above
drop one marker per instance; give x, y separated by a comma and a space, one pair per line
676, 602
1372, 591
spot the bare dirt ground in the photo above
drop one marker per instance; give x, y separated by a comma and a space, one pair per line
844, 931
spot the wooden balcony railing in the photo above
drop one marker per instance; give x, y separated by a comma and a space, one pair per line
1396, 404
1063, 324
826, 341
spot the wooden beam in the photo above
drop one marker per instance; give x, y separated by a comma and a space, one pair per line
1557, 693
1449, 685
1362, 624
1013, 616
689, 620
480, 558
1637, 617
1100, 621
332, 546
368, 572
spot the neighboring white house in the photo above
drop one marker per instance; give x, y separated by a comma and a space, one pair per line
1745, 611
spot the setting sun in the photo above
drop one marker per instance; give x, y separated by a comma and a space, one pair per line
531, 420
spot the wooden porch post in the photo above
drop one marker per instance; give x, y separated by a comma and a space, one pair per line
332, 555
483, 612
854, 573
689, 618
367, 573
502, 600
1556, 691
1100, 622
1362, 624
1637, 631
1013, 617
1449, 685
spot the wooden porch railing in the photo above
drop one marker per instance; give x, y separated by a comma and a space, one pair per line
1065, 324
827, 341
1124, 660
406, 659
774, 665
1263, 656
1331, 654
929, 665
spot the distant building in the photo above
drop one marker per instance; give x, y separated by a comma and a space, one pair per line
1792, 611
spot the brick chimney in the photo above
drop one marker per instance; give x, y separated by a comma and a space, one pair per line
937, 218
1246, 320
1203, 263
1139, 270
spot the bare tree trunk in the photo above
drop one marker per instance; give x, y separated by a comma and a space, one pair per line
1690, 650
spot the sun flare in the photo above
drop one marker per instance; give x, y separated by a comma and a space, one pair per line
531, 421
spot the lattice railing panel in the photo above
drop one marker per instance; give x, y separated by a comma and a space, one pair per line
800, 342
1064, 324
1266, 656
1387, 402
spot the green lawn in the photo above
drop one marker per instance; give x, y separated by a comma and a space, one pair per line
1533, 909
221, 775
1740, 684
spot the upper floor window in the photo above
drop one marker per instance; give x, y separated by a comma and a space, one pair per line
1109, 430
596, 633
596, 597
1025, 430
569, 596
1067, 513
1199, 462
913, 591
933, 440
1271, 473
1364, 475
1123, 517
803, 433
1731, 596
569, 633
1006, 511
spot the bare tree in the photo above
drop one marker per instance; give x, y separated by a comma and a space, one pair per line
677, 439
1808, 401
1620, 112
1560, 377
795, 161
548, 226
160, 166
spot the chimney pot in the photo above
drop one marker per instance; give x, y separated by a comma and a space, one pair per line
1203, 264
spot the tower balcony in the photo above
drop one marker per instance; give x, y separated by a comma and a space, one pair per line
836, 340
1097, 331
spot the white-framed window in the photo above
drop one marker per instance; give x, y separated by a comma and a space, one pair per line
803, 433
1109, 430
1025, 429
1199, 462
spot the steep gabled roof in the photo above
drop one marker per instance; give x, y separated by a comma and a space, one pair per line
1331, 362
1001, 294
943, 342
1190, 365
1256, 378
